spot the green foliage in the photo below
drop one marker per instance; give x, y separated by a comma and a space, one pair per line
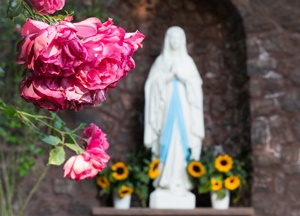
84, 9
14, 8
139, 164
21, 147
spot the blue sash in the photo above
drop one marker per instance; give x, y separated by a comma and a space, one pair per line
174, 114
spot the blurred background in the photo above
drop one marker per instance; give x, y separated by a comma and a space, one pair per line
247, 53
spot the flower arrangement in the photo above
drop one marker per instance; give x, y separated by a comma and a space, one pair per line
116, 179
128, 178
218, 172
70, 65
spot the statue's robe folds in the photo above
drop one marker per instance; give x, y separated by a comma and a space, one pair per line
174, 122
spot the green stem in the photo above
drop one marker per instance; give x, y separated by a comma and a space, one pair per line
72, 138
28, 9
33, 190
35, 15
3, 200
23, 117
38, 118
6, 184
34, 116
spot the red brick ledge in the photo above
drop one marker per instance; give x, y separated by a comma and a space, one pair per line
105, 211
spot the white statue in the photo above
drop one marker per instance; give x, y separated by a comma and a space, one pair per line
174, 123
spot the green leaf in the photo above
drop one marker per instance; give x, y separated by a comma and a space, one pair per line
1, 72
74, 147
105, 192
58, 124
57, 156
229, 173
203, 179
52, 140
142, 192
14, 8
80, 127
53, 114
204, 188
221, 194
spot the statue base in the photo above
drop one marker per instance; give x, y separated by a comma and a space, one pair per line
167, 199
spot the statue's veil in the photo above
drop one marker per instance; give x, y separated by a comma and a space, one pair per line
170, 56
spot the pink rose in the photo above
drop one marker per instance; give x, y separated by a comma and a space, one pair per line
58, 93
44, 92
97, 138
47, 6
93, 160
73, 65
78, 96
50, 50
86, 165
110, 49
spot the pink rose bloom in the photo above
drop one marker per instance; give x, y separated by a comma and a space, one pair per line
97, 138
110, 49
73, 65
78, 96
50, 50
47, 6
44, 92
58, 93
86, 165
93, 160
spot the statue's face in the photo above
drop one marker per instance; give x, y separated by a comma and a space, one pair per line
175, 40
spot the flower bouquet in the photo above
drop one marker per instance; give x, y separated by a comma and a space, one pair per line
218, 174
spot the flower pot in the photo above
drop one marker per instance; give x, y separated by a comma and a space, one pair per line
220, 203
121, 203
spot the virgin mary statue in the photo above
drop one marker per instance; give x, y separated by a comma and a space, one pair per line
174, 124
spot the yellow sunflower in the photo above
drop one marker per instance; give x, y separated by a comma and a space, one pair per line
102, 182
216, 184
153, 169
125, 190
196, 169
120, 171
224, 163
232, 182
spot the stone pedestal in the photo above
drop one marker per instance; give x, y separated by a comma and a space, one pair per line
166, 199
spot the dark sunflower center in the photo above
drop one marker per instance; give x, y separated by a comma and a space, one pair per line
125, 191
223, 162
103, 181
155, 166
196, 168
232, 180
120, 171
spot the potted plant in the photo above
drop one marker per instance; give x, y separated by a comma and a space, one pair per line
117, 180
220, 174
121, 180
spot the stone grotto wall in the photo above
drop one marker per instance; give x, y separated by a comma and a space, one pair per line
273, 41
247, 53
